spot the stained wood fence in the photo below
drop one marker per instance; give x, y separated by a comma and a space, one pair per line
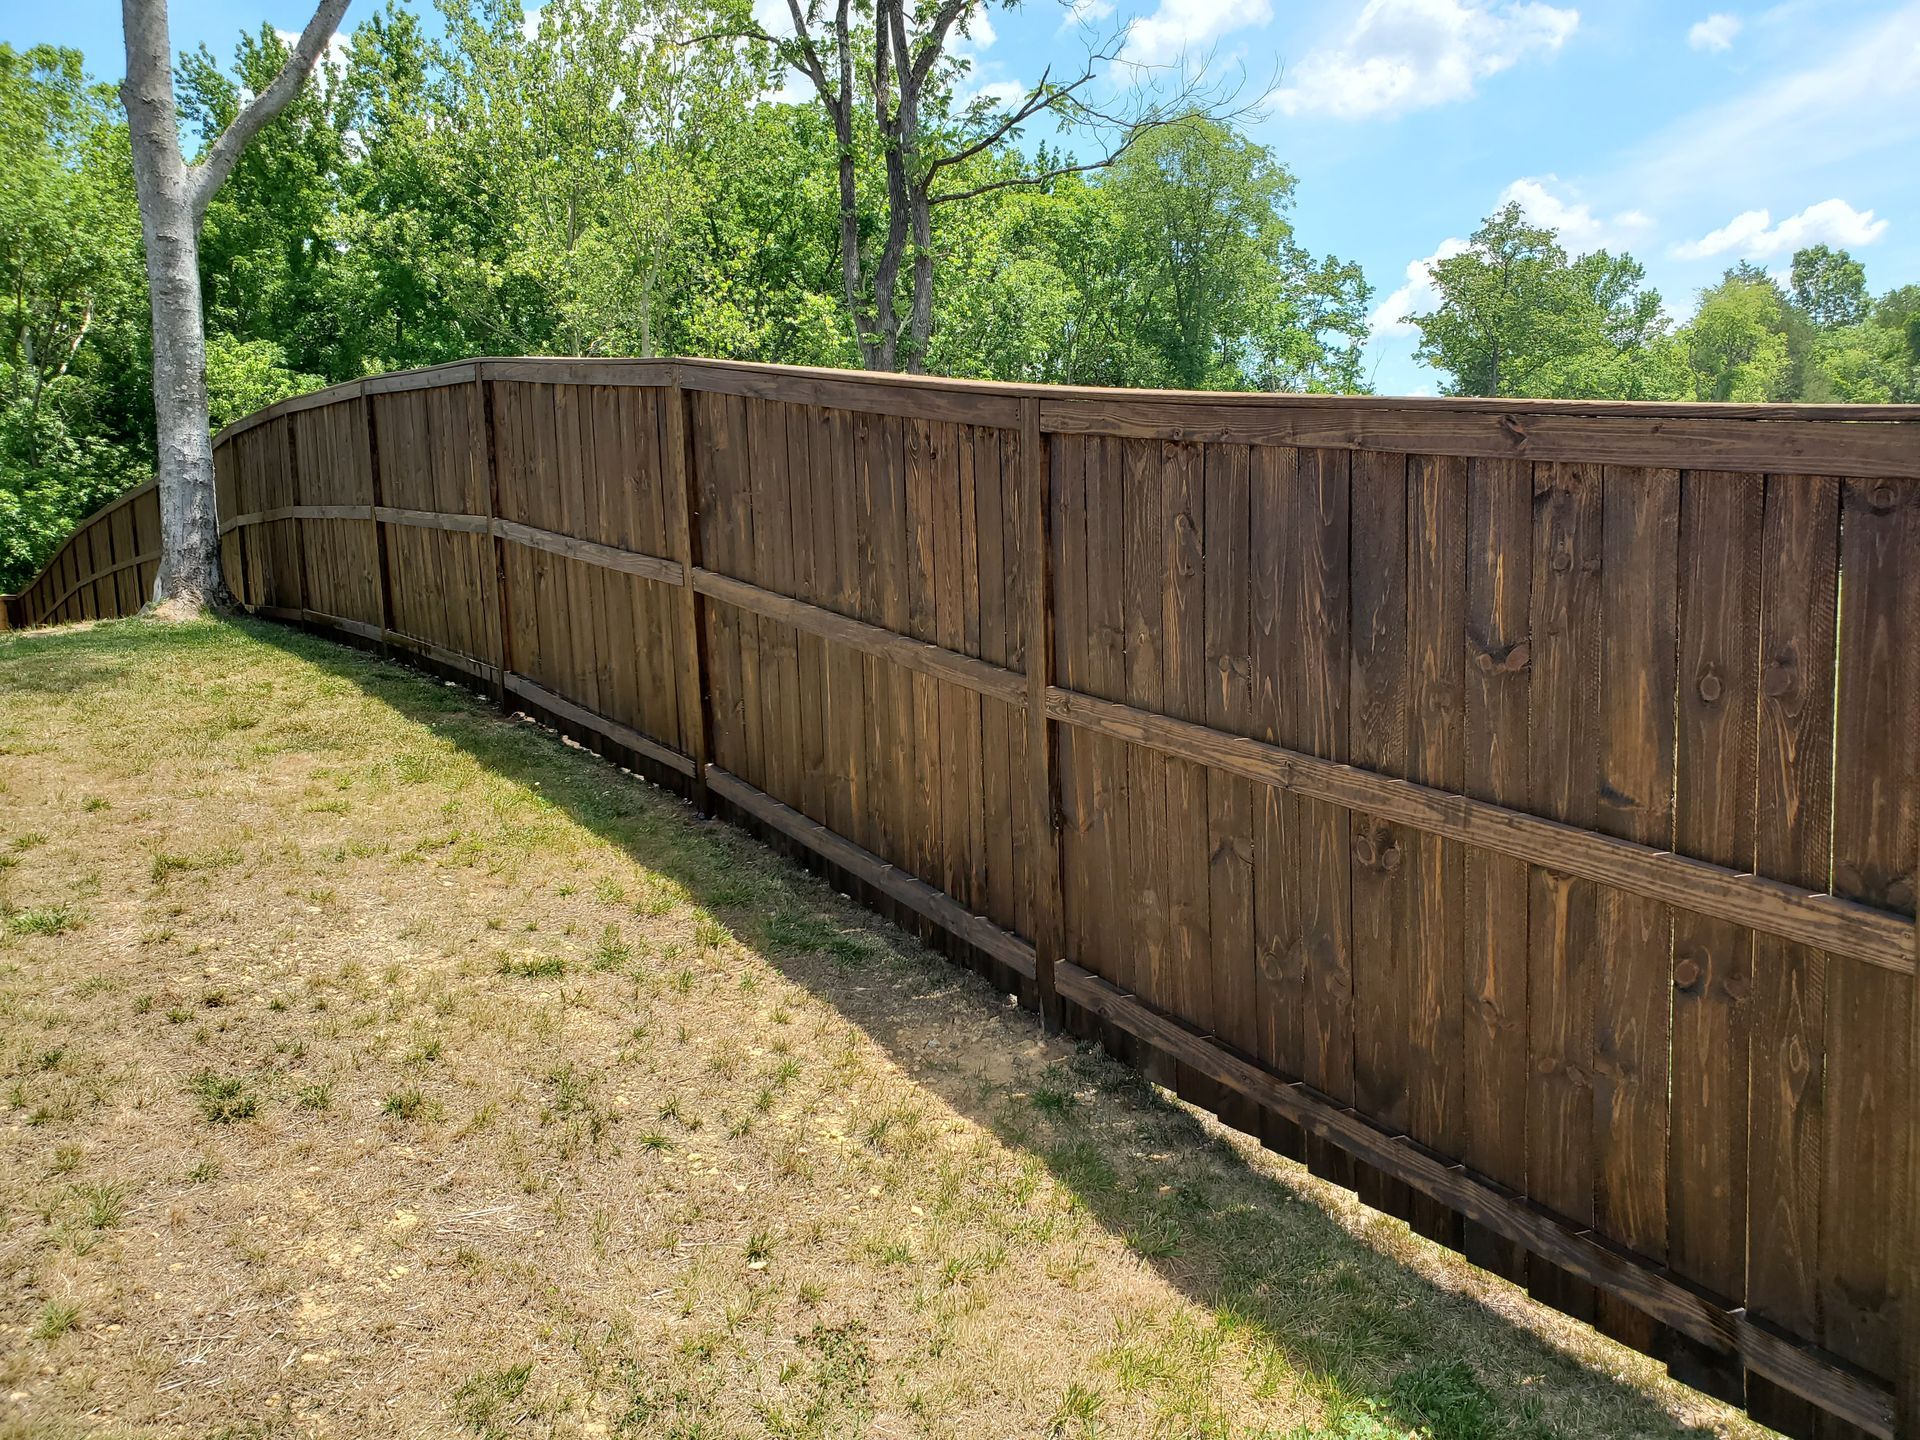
106, 568
1512, 809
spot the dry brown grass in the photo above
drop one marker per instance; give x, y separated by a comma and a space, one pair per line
375, 1066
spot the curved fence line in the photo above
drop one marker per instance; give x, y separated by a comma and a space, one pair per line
105, 570
1492, 803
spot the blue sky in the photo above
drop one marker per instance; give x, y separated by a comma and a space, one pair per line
1694, 135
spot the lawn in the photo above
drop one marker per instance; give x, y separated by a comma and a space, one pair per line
378, 1066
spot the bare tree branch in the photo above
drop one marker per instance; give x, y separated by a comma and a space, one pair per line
206, 178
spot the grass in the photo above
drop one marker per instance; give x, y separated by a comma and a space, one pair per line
375, 1065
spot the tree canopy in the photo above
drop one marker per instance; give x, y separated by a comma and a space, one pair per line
1514, 314
629, 177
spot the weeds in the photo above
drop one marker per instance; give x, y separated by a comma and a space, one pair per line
223, 1098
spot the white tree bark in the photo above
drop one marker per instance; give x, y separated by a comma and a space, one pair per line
173, 198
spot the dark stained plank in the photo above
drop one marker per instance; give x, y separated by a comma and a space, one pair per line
737, 515
1142, 941
846, 694
773, 570
633, 650
1231, 798
1876, 841
1318, 608
1718, 684
804, 513
1632, 994
1184, 693
1436, 867
1377, 700
1025, 471
892, 793
969, 445
1108, 816
1562, 946
1075, 755
713, 450
1003, 787
920, 759
1278, 867
959, 722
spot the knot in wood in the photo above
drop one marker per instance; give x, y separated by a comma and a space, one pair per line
1710, 687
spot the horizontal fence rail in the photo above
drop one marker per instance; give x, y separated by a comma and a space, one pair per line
1512, 809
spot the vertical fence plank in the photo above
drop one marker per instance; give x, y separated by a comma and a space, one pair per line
370, 432
1044, 799
683, 533
1280, 957
1144, 934
1561, 919
1799, 597
500, 594
1319, 614
1067, 559
1714, 807
1437, 553
1876, 815
1383, 958
1640, 512
1183, 623
1110, 814
1231, 799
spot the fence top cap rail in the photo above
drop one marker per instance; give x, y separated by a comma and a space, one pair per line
687, 371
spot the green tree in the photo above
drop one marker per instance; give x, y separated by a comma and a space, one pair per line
1516, 316
69, 249
1219, 291
1829, 286
1736, 342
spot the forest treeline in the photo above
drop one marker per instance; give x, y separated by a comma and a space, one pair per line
630, 177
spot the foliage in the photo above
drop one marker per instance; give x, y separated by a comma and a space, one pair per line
1517, 316
71, 424
620, 177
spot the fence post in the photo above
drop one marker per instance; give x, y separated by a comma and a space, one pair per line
1049, 932
379, 526
683, 518
503, 652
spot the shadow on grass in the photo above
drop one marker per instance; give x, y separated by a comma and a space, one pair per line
1387, 1349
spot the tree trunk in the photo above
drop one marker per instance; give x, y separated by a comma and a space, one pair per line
173, 199
189, 577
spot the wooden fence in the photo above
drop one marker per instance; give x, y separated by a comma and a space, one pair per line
1513, 809
105, 570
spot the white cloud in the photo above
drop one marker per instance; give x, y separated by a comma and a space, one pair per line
1417, 294
1003, 93
1752, 234
1085, 12
1578, 227
978, 36
1716, 32
1855, 97
1403, 55
1181, 27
